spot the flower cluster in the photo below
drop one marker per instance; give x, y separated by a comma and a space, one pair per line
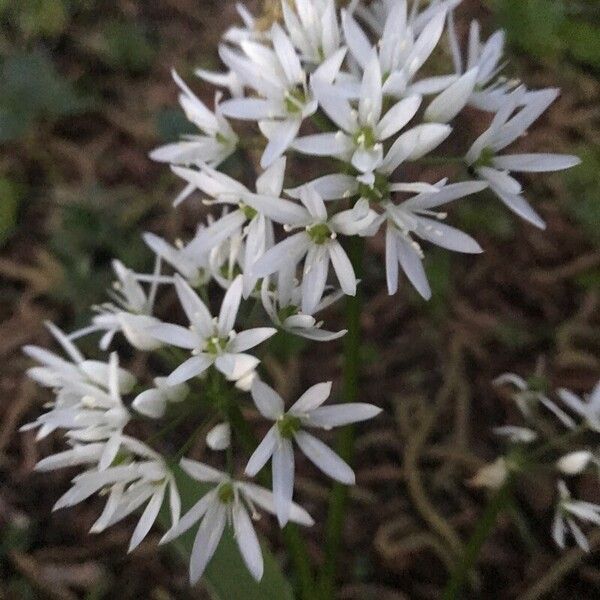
560, 435
358, 97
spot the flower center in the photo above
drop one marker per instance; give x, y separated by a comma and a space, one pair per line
288, 425
319, 233
485, 158
225, 493
215, 345
248, 211
286, 312
295, 99
365, 137
379, 191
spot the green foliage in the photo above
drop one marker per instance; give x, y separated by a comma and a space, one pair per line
32, 89
553, 28
226, 576
125, 45
35, 18
583, 183
10, 199
89, 234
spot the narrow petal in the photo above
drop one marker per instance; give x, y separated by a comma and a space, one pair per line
343, 268
247, 542
412, 266
447, 237
200, 471
452, 100
536, 163
397, 117
324, 458
191, 517
263, 452
316, 268
324, 144
230, 306
207, 539
520, 207
267, 400
236, 366
327, 417
174, 335
283, 480
250, 338
147, 519
312, 398
192, 367
287, 252
195, 310
281, 136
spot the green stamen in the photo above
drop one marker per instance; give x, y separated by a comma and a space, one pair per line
319, 233
225, 493
288, 425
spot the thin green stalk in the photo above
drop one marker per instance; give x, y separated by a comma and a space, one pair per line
345, 444
499, 501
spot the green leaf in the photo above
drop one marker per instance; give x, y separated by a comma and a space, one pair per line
583, 42
226, 577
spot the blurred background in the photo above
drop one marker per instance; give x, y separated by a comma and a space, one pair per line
86, 93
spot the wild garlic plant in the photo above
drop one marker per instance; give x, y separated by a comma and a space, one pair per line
560, 435
339, 107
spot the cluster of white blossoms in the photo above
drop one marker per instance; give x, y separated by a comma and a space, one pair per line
562, 436
357, 97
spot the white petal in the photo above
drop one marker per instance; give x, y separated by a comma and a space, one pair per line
283, 480
195, 310
343, 268
536, 163
312, 398
250, 338
371, 96
397, 117
520, 207
252, 109
267, 400
324, 458
342, 414
450, 102
329, 187
447, 237
357, 40
366, 160
412, 266
287, 55
500, 180
281, 136
263, 452
279, 210
147, 519
200, 471
247, 542
175, 335
316, 268
324, 144
191, 517
236, 366
230, 306
391, 260
151, 403
219, 437
192, 367
289, 251
264, 498
270, 182
207, 539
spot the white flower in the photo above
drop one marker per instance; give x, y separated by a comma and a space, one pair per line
141, 477
313, 28
361, 133
285, 96
186, 260
152, 403
574, 463
218, 143
212, 341
505, 128
219, 437
517, 435
258, 230
525, 398
282, 303
587, 407
567, 510
318, 243
417, 217
289, 426
131, 312
491, 476
228, 502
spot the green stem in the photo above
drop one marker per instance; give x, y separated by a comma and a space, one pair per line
499, 501
345, 444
